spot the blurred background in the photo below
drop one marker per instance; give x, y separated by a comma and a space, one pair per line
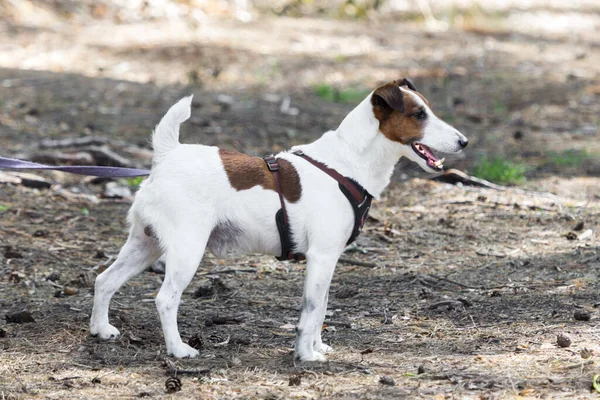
519, 78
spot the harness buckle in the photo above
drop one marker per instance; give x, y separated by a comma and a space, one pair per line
272, 163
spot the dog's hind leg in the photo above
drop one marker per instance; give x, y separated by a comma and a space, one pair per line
183, 257
136, 255
319, 271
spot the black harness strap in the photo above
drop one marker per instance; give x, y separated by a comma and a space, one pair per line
281, 217
359, 199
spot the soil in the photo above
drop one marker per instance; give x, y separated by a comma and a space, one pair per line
452, 291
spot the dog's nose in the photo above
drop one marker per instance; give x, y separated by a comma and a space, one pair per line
463, 141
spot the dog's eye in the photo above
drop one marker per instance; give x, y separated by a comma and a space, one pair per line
420, 115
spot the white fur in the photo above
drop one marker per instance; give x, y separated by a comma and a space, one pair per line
188, 194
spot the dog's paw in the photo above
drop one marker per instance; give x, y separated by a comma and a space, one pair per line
182, 350
105, 332
315, 356
323, 348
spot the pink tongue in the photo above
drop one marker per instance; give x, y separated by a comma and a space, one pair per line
428, 153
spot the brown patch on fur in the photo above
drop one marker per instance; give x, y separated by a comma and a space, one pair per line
245, 172
395, 110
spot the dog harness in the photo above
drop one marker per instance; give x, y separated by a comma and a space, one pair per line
359, 199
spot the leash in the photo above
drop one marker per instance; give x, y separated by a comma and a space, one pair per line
92, 170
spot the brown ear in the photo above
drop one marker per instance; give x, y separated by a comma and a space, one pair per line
388, 98
407, 83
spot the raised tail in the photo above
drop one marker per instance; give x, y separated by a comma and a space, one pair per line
166, 134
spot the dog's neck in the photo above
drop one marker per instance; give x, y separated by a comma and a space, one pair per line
358, 150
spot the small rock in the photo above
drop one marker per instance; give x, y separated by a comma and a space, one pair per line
70, 291
581, 315
113, 190
2, 333
387, 380
22, 317
96, 380
420, 370
563, 340
579, 226
295, 380
587, 234
571, 236
173, 384
40, 233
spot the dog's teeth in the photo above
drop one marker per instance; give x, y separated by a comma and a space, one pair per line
442, 160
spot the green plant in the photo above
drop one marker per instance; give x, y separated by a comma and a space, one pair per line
500, 170
350, 95
569, 158
85, 212
134, 183
3, 207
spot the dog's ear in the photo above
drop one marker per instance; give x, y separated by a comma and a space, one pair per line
386, 99
408, 84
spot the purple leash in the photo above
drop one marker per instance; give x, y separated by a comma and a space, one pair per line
93, 170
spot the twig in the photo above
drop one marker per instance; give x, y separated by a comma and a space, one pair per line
358, 263
223, 343
229, 271
84, 366
579, 365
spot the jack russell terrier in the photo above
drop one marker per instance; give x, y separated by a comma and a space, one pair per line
309, 202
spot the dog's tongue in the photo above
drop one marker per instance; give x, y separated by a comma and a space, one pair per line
428, 153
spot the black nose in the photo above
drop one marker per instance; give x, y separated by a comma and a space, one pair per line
463, 142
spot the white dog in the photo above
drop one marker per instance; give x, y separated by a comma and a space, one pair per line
199, 196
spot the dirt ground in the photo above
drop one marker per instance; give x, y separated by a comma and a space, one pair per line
452, 291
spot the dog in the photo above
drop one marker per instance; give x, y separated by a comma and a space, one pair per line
201, 196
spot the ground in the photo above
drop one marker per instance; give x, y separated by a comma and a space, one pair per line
452, 291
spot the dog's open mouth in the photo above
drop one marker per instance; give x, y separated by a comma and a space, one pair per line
426, 154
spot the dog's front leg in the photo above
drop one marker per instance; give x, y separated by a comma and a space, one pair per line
319, 271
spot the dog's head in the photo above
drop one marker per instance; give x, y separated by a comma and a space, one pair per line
405, 118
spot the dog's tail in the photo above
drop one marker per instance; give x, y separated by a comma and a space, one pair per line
166, 134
